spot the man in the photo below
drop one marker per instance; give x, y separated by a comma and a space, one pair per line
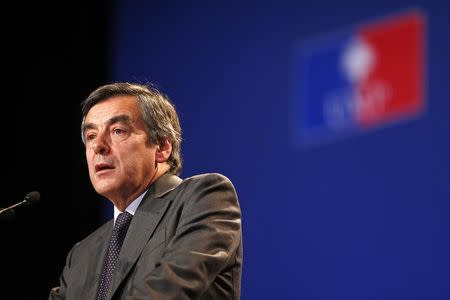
170, 238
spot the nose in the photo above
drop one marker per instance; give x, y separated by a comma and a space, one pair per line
100, 145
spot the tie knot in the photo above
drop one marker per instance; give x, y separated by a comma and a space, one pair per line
123, 221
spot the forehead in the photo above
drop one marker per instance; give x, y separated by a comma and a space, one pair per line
118, 105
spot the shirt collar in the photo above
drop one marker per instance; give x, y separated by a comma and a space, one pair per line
131, 208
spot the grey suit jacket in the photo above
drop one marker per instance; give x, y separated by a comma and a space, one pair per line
184, 242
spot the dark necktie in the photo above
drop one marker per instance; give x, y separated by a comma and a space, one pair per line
120, 230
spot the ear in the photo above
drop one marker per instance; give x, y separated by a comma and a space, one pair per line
163, 151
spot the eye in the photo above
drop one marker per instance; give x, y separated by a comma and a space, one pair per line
119, 131
90, 136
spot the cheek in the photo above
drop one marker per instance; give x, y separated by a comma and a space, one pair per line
90, 164
132, 164
141, 163
89, 159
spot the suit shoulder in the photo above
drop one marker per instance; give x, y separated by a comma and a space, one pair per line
207, 179
206, 184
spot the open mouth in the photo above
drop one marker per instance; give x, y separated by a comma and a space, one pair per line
102, 167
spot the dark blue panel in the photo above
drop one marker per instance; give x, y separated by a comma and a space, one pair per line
365, 217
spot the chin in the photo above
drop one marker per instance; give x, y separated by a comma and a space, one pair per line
104, 188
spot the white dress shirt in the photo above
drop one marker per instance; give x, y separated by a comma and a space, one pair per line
130, 208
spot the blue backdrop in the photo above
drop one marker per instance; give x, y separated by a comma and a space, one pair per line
367, 217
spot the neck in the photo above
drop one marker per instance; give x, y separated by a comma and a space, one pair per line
122, 204
161, 169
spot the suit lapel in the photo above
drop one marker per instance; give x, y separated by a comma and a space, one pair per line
145, 220
97, 253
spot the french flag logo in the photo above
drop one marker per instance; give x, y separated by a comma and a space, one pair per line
368, 76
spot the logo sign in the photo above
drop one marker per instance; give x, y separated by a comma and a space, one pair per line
354, 80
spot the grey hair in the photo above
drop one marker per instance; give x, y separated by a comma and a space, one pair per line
157, 110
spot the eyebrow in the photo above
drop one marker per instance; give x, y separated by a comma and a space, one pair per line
113, 120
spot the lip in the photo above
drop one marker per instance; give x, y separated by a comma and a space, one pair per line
103, 168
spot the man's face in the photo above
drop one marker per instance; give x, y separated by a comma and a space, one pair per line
121, 162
